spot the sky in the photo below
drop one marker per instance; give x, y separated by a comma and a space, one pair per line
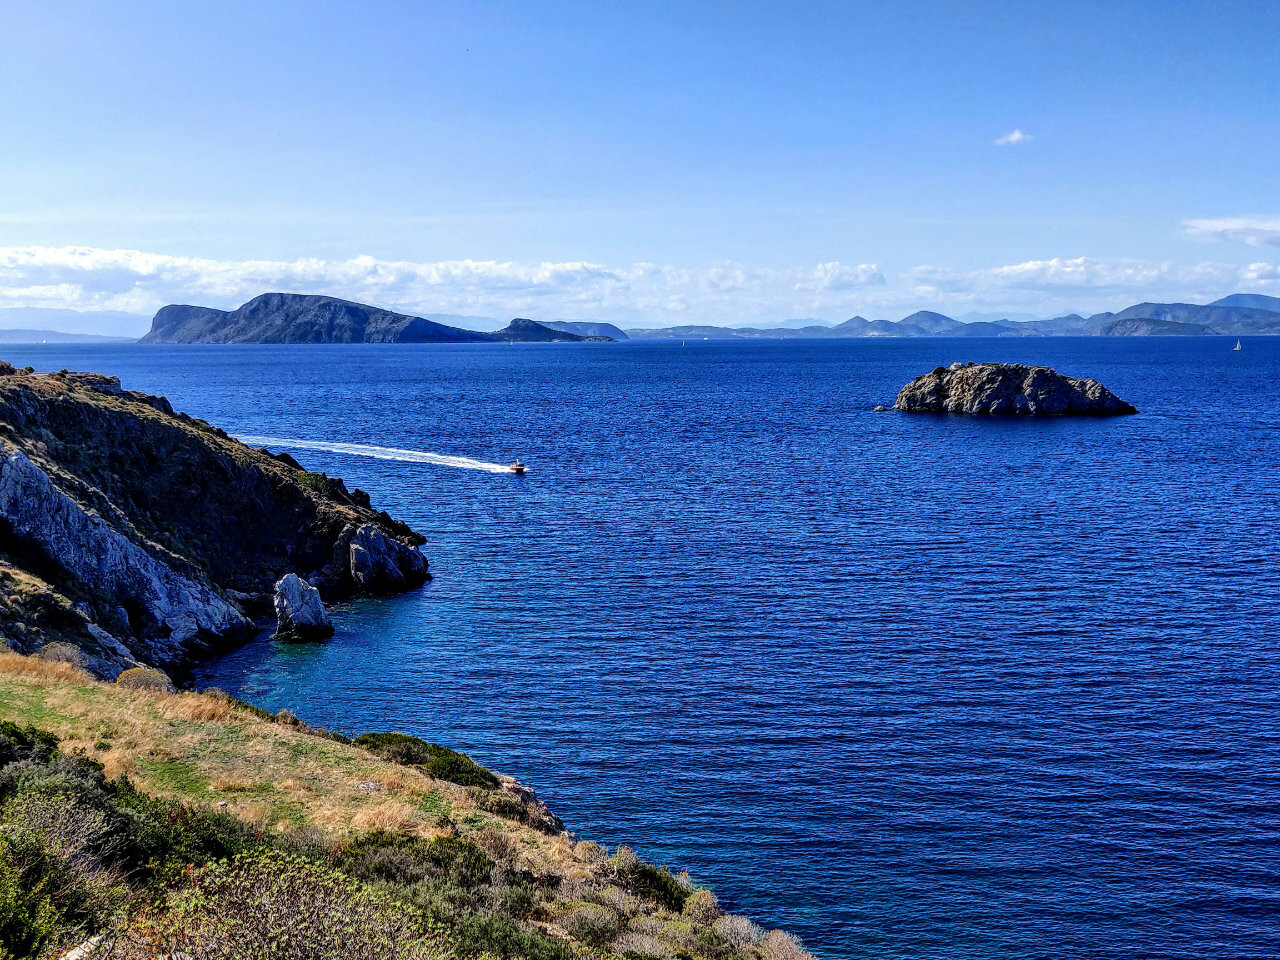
644, 163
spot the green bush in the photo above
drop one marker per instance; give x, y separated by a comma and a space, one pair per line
433, 759
273, 905
701, 908
315, 482
657, 884
29, 920
491, 934
594, 925
145, 678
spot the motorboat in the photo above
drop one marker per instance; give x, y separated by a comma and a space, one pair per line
516, 467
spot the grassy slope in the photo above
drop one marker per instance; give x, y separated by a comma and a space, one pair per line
209, 752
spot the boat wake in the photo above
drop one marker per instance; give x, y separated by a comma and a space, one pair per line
378, 453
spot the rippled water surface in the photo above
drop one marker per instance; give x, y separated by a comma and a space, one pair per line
910, 686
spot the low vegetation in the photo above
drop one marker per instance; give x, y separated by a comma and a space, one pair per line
180, 824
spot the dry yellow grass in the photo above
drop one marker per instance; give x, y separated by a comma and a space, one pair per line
34, 668
193, 706
208, 751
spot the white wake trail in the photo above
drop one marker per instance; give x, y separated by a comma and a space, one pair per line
378, 453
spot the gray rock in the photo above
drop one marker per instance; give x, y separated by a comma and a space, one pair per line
380, 563
1008, 388
300, 613
174, 613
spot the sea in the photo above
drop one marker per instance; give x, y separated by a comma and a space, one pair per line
909, 686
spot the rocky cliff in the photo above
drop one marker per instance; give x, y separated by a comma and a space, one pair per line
1007, 388
145, 536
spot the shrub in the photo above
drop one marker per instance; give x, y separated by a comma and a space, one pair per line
28, 918
701, 908
315, 482
145, 678
60, 652
24, 743
279, 906
593, 925
738, 932
61, 850
657, 884
625, 860
489, 934
433, 759
617, 900
780, 945
589, 851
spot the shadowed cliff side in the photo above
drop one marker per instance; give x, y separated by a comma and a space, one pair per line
146, 536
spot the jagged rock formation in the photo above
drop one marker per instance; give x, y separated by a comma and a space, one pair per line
378, 563
148, 537
1007, 388
300, 613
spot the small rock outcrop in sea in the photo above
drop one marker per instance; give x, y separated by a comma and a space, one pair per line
1008, 389
300, 613
381, 564
146, 537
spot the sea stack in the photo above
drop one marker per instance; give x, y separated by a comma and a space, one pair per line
300, 613
1003, 389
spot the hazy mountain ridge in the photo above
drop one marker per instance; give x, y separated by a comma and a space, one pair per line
1241, 314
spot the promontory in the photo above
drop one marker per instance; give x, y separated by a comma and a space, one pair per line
146, 537
1008, 389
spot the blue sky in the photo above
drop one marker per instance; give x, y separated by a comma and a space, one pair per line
655, 162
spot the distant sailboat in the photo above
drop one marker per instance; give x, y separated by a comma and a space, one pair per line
1237, 344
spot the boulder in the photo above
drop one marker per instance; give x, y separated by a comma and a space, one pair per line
381, 563
300, 613
1008, 389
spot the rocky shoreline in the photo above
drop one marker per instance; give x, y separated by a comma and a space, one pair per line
143, 536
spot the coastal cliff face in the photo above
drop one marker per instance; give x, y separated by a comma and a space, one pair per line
1007, 389
143, 536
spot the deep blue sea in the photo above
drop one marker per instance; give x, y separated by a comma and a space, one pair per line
909, 686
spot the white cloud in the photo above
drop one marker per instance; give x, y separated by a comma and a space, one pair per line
1012, 138
1093, 284
1256, 231
88, 278
93, 279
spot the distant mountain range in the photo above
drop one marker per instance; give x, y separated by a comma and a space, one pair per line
82, 325
1240, 314
56, 336
305, 318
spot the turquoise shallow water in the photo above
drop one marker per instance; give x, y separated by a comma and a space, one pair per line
911, 686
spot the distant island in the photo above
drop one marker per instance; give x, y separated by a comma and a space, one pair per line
309, 318
306, 318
